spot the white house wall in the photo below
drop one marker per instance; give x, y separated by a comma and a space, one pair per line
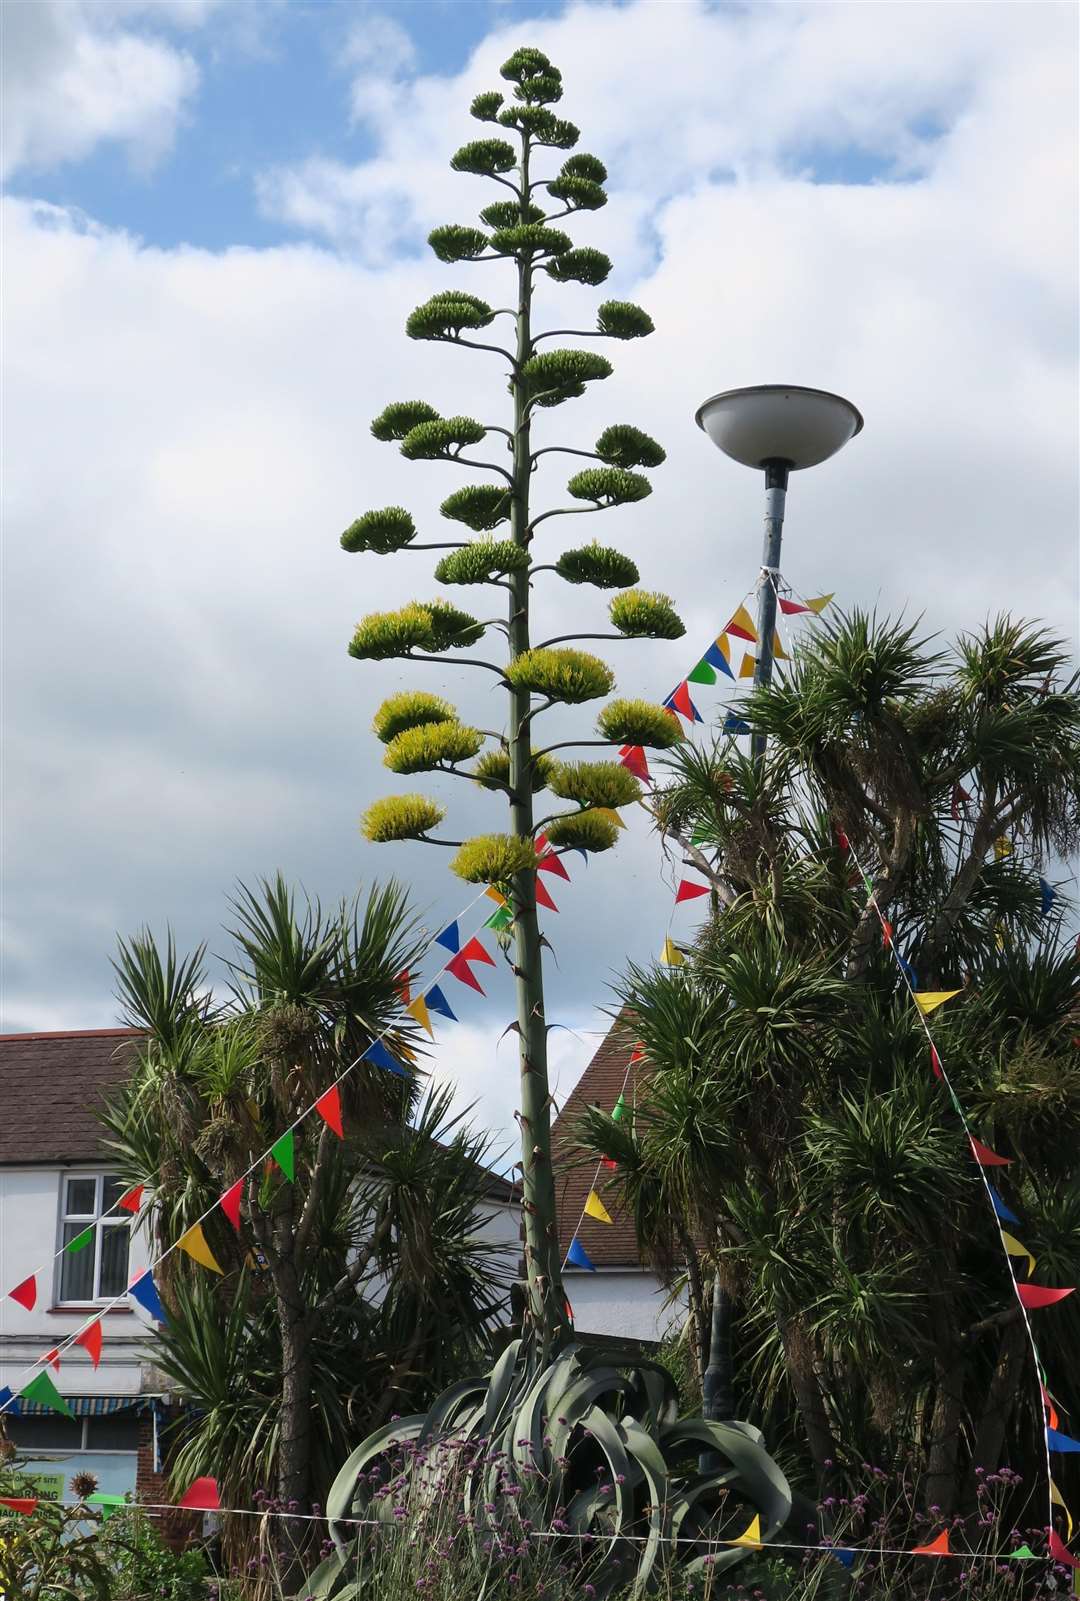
627, 1303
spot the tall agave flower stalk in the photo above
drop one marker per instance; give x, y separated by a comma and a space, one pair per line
422, 732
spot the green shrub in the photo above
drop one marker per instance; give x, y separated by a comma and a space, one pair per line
625, 446
419, 750
412, 708
608, 486
561, 674
400, 817
599, 565
639, 722
482, 561
492, 858
645, 614
381, 532
395, 420
582, 831
478, 506
605, 784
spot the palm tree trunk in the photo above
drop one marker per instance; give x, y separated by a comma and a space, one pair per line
1000, 1401
808, 1398
950, 1371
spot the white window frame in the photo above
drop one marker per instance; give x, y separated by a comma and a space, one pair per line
54, 1453
115, 1220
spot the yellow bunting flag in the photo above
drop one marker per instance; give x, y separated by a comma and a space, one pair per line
610, 813
594, 1207
495, 895
1002, 847
1014, 1248
419, 1010
779, 653
999, 935
671, 955
742, 626
194, 1243
752, 1535
1058, 1500
748, 664
818, 606
929, 1000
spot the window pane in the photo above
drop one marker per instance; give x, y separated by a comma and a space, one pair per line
117, 1433
81, 1198
76, 1271
111, 1191
44, 1434
114, 1259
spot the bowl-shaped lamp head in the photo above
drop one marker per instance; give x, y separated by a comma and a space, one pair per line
779, 423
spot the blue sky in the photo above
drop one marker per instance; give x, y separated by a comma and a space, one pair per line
213, 230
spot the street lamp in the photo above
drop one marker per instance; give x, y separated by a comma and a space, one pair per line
780, 429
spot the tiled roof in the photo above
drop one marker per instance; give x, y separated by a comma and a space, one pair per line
613, 1245
52, 1085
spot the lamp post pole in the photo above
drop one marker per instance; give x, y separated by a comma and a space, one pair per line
776, 428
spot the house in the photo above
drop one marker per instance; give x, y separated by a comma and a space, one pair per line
623, 1298
56, 1189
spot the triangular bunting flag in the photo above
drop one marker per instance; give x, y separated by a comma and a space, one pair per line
929, 1000
986, 1157
752, 1535
671, 955
475, 952
618, 1111
144, 1290
1023, 1553
718, 655
1000, 1208
493, 893
1051, 1415
230, 1203
132, 1200
936, 1548
328, 1107
379, 1056
577, 1256
90, 1340
633, 759
742, 626
25, 1293
844, 1555
542, 896
53, 1359
553, 864
418, 1009
779, 653
1058, 1499
680, 700
908, 971
42, 1390
747, 666
792, 608
610, 813
401, 983
594, 1207
202, 1496
19, 1503
735, 725
1047, 896
689, 891
959, 800
1014, 1248
193, 1242
886, 932
108, 1503
1002, 847
80, 1242
283, 1152
1056, 1441
501, 918
1036, 1296
437, 1002
818, 605
7, 1396
450, 938
703, 673
1060, 1552
463, 972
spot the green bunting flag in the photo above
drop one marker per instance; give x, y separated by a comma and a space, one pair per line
42, 1390
284, 1153
702, 674
1023, 1553
108, 1503
80, 1242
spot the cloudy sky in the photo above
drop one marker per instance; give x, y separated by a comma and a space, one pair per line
214, 228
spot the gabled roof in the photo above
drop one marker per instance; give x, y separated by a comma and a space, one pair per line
51, 1088
606, 1245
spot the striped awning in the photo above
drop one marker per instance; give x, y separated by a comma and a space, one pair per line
83, 1406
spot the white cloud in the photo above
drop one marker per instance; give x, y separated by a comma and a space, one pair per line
187, 432
77, 74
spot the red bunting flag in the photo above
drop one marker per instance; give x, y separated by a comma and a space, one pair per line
541, 840
936, 1548
463, 972
132, 1200
792, 608
1049, 1405
328, 1107
230, 1203
633, 759
681, 701
1060, 1551
637, 1054
475, 952
986, 1157
202, 1496
401, 983
689, 891
960, 798
542, 896
53, 1359
886, 933
935, 1062
25, 1293
1036, 1296
742, 626
90, 1340
553, 864
20, 1503
842, 840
